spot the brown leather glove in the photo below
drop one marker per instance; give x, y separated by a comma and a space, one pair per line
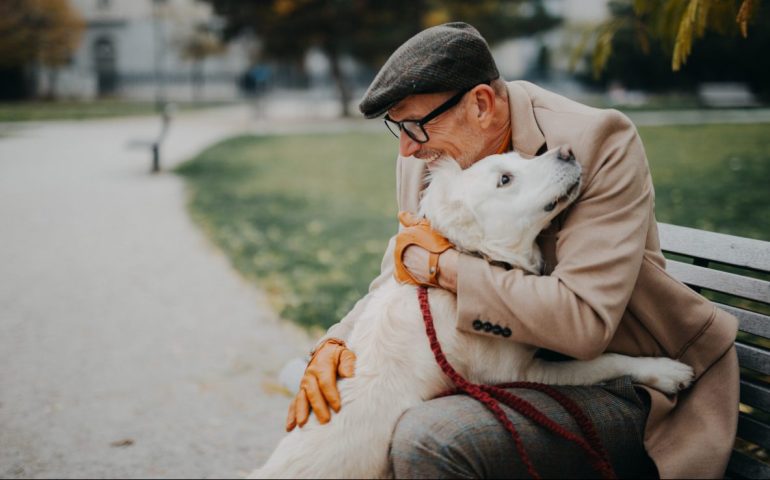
318, 388
418, 232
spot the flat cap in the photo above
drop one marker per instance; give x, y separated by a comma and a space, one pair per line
448, 57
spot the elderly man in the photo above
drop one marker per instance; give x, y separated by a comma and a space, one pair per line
604, 287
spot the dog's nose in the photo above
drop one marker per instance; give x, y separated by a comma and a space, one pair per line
565, 153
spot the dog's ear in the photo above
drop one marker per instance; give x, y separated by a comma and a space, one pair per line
444, 206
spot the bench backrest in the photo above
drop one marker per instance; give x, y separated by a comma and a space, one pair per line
734, 272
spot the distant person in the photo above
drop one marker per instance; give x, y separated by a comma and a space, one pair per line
256, 80
604, 287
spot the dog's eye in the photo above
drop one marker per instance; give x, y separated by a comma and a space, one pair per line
505, 179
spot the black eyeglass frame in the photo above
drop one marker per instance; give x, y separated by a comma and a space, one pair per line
454, 100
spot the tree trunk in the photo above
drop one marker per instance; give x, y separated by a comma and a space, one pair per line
339, 79
30, 73
53, 80
12, 85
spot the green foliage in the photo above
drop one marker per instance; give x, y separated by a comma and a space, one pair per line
639, 58
674, 25
38, 31
308, 217
678, 23
369, 30
200, 45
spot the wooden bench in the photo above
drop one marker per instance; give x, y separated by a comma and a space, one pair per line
734, 272
166, 114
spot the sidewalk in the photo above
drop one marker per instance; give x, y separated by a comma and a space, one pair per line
129, 347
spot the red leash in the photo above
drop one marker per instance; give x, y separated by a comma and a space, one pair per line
491, 396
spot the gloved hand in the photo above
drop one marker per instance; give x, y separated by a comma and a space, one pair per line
418, 232
318, 387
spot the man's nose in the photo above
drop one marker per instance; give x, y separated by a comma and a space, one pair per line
407, 146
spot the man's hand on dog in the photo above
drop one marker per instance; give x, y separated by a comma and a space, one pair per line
416, 260
318, 388
416, 244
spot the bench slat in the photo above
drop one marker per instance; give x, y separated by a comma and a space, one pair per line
750, 322
745, 253
753, 430
738, 251
754, 358
746, 287
755, 395
745, 466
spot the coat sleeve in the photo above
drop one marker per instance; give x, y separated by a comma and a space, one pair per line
576, 309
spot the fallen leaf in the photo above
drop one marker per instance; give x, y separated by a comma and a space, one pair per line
126, 442
273, 387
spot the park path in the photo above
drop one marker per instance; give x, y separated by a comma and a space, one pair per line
129, 347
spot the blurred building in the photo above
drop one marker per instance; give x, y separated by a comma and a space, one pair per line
152, 50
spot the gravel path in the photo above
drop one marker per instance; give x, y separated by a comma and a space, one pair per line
129, 347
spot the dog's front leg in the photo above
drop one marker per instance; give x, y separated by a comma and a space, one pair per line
395, 370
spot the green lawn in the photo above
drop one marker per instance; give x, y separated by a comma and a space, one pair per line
308, 216
714, 177
71, 110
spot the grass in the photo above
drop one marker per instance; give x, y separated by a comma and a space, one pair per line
713, 177
308, 216
72, 110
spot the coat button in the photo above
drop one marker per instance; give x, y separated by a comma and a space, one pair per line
487, 326
497, 329
506, 332
478, 324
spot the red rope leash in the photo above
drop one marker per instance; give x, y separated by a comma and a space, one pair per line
595, 447
490, 396
585, 424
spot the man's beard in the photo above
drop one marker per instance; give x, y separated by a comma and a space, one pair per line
429, 155
469, 155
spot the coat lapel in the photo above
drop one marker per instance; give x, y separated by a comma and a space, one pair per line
411, 178
527, 137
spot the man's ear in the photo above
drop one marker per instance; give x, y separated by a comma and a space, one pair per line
483, 97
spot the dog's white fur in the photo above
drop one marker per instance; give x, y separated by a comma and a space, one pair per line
395, 369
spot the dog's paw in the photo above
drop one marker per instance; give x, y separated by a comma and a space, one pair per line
666, 375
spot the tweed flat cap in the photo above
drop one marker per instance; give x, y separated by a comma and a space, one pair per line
447, 57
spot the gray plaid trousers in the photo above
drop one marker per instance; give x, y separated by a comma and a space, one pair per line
457, 437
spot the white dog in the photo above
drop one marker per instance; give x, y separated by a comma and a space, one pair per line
495, 208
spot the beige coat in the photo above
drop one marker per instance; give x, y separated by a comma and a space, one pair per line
605, 287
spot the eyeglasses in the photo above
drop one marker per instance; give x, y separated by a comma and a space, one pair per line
415, 128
